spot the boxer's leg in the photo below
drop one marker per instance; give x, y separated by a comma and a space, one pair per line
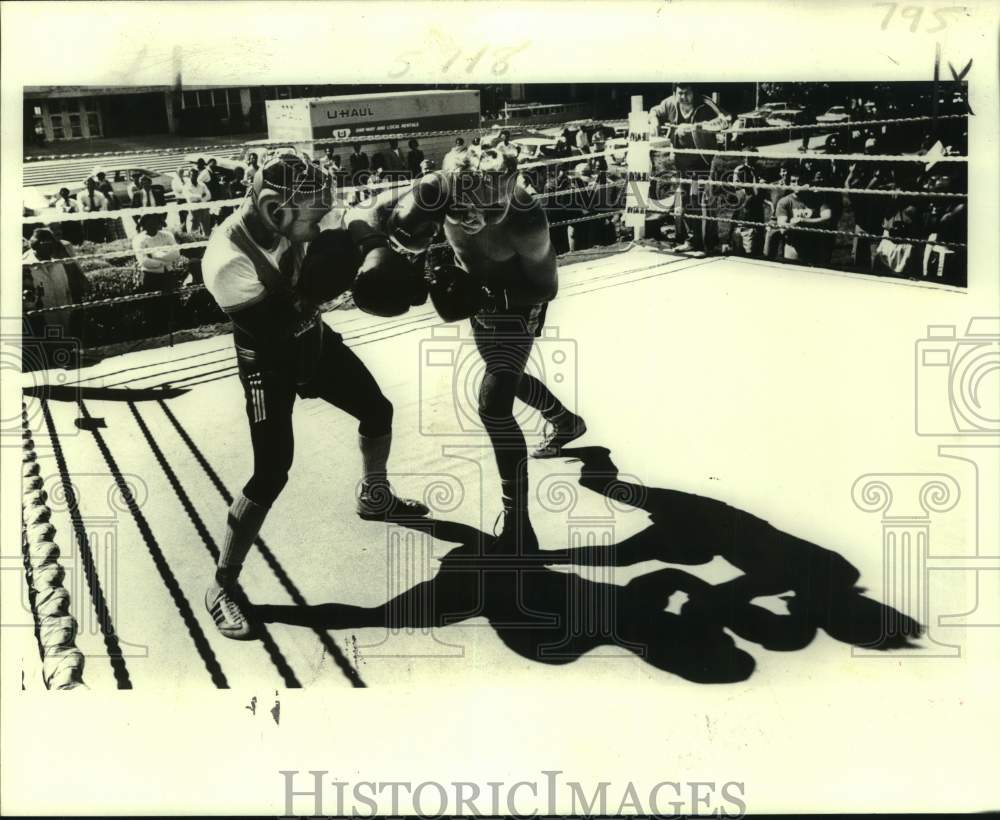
345, 382
505, 353
269, 402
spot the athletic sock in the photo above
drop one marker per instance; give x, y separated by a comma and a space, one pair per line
243, 522
374, 457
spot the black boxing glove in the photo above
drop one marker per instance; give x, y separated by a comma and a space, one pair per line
419, 214
388, 284
328, 268
457, 294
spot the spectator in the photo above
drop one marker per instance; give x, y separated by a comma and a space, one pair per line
748, 206
53, 279
105, 187
147, 197
457, 148
945, 220
235, 189
177, 186
803, 208
158, 258
196, 191
90, 200
414, 158
252, 167
394, 161
359, 165
598, 144
870, 210
156, 253
691, 121
114, 229
582, 141
788, 175
71, 230
133, 186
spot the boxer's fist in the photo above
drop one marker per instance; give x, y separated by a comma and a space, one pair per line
457, 294
328, 268
388, 284
417, 216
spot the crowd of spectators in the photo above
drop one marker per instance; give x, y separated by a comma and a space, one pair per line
752, 206
759, 216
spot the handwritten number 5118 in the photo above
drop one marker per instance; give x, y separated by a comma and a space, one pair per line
915, 13
459, 58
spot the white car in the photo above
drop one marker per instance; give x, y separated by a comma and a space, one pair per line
837, 113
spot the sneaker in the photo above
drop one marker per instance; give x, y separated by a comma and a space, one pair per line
517, 537
227, 613
380, 503
558, 435
684, 247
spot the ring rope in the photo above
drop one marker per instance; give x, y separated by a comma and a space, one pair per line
846, 124
776, 226
189, 289
718, 183
204, 242
799, 155
55, 628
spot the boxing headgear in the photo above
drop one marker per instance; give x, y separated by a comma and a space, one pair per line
288, 178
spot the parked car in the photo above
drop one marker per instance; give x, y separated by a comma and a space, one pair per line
734, 138
786, 116
836, 113
121, 177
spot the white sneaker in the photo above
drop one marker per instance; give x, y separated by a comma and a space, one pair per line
227, 614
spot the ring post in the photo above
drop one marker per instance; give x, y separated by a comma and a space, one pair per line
638, 163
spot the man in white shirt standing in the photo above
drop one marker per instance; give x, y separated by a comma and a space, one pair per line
196, 191
90, 200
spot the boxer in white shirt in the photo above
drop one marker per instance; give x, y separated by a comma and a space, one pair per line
269, 266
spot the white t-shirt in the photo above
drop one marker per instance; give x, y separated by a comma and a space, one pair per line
229, 274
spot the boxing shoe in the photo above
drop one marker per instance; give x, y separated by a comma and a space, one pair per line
377, 502
225, 607
558, 434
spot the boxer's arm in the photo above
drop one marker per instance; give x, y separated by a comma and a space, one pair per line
533, 246
366, 221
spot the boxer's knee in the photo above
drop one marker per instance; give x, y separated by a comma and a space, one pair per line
496, 401
377, 420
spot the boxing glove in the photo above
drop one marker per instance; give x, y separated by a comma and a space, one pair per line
328, 268
457, 294
419, 214
388, 284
